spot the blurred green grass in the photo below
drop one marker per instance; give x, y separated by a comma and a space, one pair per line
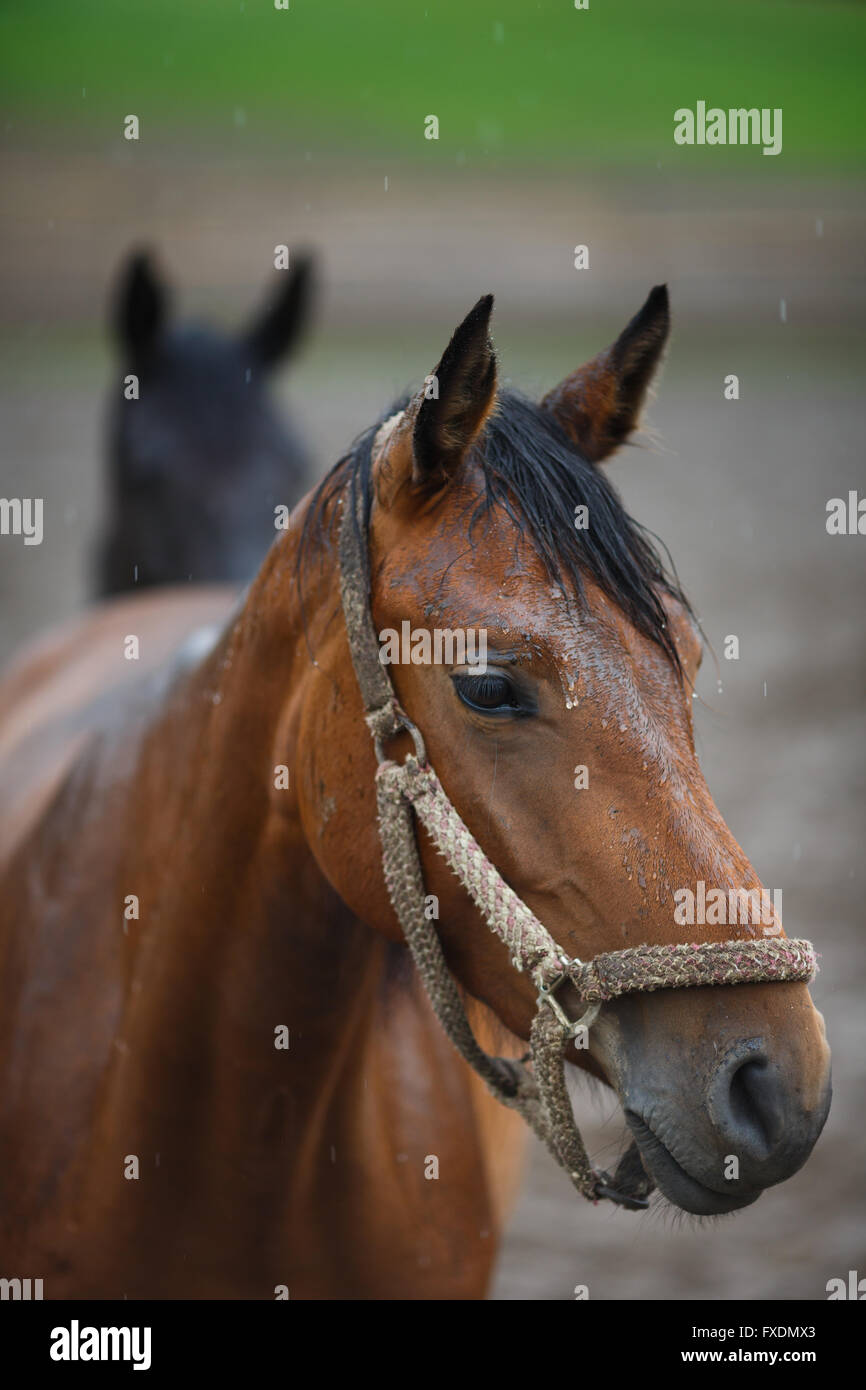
536, 81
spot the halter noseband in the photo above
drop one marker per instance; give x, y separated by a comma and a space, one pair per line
412, 786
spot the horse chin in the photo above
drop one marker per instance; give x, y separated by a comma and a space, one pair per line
675, 1183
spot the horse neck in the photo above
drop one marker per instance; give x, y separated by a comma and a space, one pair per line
255, 938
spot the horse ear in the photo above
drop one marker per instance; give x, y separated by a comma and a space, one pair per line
276, 332
599, 405
140, 305
456, 399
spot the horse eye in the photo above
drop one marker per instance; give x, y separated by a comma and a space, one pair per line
491, 693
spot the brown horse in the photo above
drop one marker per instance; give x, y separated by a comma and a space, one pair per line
219, 1076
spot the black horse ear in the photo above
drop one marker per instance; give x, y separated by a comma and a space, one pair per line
140, 305
456, 399
277, 331
599, 405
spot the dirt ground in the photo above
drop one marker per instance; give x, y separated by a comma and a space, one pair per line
764, 284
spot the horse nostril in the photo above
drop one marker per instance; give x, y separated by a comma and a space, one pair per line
747, 1101
756, 1106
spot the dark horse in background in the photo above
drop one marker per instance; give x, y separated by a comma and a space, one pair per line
197, 464
172, 904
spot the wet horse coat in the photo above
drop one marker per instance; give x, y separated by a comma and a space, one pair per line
262, 908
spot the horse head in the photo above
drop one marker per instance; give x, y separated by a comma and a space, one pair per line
568, 751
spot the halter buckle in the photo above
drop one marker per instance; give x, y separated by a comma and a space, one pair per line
571, 1026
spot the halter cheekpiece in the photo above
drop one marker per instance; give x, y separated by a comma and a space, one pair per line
412, 789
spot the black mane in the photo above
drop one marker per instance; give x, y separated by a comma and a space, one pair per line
532, 469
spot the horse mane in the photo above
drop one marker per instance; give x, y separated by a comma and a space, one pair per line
533, 471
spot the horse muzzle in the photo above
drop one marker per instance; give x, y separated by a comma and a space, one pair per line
714, 1138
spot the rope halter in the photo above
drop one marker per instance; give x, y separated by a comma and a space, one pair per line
411, 789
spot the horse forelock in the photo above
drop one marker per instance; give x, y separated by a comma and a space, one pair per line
531, 470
